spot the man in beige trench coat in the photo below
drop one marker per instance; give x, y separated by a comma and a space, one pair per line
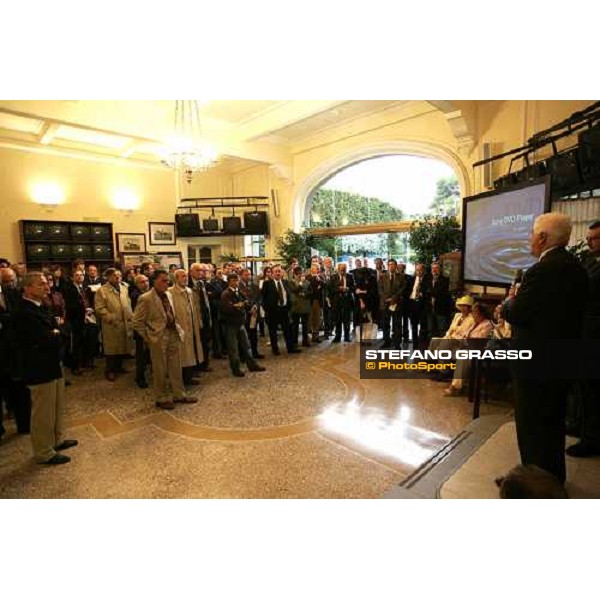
113, 307
155, 321
187, 314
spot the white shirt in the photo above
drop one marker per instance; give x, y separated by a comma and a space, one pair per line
277, 284
416, 288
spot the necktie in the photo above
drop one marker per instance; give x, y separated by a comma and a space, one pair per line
392, 279
168, 311
280, 293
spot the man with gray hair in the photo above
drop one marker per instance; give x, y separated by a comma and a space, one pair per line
549, 305
36, 340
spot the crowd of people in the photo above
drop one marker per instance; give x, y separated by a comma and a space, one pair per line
176, 321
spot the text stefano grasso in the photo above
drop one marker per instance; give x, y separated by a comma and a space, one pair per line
413, 355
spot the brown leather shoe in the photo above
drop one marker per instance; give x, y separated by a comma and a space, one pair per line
165, 405
185, 400
111, 377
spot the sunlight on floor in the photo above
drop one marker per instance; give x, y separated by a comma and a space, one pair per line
373, 429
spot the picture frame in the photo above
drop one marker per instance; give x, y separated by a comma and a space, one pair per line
166, 259
135, 259
162, 234
131, 242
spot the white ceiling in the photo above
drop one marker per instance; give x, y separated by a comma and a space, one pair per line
243, 130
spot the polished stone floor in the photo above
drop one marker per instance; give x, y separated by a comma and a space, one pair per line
500, 453
308, 427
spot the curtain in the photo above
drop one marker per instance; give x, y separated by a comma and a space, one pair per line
582, 212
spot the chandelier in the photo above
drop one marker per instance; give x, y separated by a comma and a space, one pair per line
188, 152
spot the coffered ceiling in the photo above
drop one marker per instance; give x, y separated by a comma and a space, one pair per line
246, 132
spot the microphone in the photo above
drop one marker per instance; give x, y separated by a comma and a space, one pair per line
518, 279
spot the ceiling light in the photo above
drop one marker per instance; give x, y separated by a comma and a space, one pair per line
188, 151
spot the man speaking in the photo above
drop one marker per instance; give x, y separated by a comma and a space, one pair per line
549, 305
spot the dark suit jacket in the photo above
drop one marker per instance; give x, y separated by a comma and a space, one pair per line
75, 305
36, 344
339, 298
437, 296
551, 301
270, 297
229, 313
387, 291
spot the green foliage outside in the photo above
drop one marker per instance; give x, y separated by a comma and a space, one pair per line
332, 208
295, 245
430, 236
447, 196
433, 235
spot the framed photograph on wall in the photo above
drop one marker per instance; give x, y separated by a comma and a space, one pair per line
162, 234
131, 242
171, 258
135, 259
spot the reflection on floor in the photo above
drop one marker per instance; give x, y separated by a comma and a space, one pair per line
475, 478
306, 428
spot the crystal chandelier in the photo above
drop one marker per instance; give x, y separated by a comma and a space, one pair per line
188, 152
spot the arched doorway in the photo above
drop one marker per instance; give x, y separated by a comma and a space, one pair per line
328, 169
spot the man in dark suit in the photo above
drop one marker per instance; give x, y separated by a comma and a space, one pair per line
391, 287
14, 394
328, 273
197, 282
251, 293
142, 352
233, 311
83, 333
36, 340
214, 288
437, 303
549, 305
365, 294
414, 300
342, 288
277, 303
589, 444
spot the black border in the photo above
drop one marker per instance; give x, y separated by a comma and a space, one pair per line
118, 244
547, 202
150, 223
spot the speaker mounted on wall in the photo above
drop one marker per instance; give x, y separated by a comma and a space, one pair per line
232, 225
188, 225
256, 223
211, 224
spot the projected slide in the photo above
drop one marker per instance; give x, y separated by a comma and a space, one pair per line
497, 231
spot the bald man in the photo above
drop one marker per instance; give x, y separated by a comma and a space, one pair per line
549, 305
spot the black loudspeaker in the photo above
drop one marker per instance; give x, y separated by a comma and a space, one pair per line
256, 223
210, 224
506, 181
589, 153
188, 225
530, 172
565, 171
232, 225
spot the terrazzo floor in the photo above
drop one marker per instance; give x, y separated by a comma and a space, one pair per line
500, 453
308, 427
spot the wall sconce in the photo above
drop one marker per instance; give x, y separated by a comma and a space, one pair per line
49, 195
126, 201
